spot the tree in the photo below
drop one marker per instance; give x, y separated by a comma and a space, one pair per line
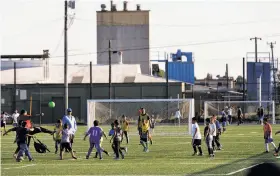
161, 73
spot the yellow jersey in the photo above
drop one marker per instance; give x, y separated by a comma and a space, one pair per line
58, 132
124, 125
145, 126
142, 118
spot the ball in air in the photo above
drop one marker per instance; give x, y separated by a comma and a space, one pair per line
51, 104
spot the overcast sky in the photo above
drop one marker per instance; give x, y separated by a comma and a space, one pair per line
217, 32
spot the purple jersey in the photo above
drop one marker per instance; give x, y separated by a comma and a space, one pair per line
95, 134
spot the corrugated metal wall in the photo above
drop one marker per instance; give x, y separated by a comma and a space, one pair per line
254, 70
181, 71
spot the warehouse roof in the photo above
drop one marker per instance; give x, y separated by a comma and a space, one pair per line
121, 73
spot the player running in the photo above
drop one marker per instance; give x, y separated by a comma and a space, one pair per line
142, 117
65, 142
196, 137
268, 136
125, 128
216, 136
117, 137
145, 135
95, 140
57, 135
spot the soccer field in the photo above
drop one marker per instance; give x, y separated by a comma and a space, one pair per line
171, 154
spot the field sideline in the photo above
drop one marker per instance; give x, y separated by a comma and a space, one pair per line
169, 155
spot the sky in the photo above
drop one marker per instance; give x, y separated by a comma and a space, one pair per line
217, 32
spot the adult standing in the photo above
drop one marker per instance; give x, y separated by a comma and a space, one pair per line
177, 117
239, 116
260, 113
230, 115
70, 120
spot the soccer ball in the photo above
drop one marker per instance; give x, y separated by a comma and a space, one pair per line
51, 104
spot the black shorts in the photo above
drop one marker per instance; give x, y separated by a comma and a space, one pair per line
144, 139
66, 146
3, 124
197, 142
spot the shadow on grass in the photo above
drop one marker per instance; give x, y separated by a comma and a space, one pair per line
239, 167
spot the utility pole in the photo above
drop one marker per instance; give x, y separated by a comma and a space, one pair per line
65, 56
110, 78
227, 75
271, 44
256, 47
243, 82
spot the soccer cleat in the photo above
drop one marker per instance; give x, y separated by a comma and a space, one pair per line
200, 154
116, 158
144, 150
31, 160
19, 160
147, 151
87, 157
100, 158
15, 156
266, 152
194, 154
276, 154
74, 157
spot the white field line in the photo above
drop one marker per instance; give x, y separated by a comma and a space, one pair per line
19, 167
240, 170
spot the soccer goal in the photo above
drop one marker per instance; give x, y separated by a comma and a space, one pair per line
248, 108
162, 110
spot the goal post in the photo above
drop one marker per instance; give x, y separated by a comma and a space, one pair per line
163, 110
249, 109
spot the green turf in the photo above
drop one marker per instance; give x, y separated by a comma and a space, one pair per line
169, 155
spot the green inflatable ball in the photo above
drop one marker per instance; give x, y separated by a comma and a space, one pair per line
51, 104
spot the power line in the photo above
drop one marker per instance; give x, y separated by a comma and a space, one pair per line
167, 46
192, 25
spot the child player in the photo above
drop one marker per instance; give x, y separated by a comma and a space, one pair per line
101, 141
125, 127
111, 133
278, 150
224, 120
208, 137
117, 137
268, 135
145, 135
65, 141
57, 135
95, 134
196, 137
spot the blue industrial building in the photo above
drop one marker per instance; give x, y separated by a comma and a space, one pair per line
256, 70
181, 70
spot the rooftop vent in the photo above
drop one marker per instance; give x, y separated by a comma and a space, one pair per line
129, 79
138, 7
103, 7
77, 79
125, 6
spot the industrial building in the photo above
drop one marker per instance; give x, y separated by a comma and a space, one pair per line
128, 31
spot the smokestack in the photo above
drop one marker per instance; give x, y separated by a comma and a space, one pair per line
125, 6
138, 7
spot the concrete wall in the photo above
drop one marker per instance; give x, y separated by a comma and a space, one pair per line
78, 95
129, 33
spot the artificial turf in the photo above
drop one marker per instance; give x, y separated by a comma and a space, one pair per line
170, 154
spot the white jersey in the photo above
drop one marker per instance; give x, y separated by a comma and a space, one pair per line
178, 114
66, 136
230, 111
197, 135
4, 118
15, 117
212, 129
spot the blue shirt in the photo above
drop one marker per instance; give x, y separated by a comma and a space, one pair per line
71, 123
218, 126
111, 132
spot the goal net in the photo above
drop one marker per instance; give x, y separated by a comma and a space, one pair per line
248, 108
162, 110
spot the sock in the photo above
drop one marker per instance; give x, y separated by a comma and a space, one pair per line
147, 145
105, 152
96, 154
194, 149
199, 149
266, 147
142, 143
209, 151
273, 145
